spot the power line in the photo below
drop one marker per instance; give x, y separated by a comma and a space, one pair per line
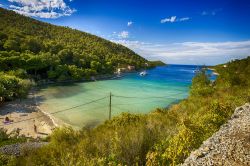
122, 109
93, 101
143, 102
136, 97
150, 97
94, 108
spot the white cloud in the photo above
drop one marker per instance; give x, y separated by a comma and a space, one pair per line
130, 23
211, 13
123, 34
184, 19
1, 5
209, 53
174, 19
171, 19
205, 13
41, 8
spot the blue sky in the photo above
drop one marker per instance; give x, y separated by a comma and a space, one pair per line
175, 31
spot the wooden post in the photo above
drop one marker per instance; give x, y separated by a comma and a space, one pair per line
110, 98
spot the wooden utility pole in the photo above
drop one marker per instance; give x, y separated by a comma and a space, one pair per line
110, 98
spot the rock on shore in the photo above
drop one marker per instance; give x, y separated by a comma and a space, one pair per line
229, 146
18, 149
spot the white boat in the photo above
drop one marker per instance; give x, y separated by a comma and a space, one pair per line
197, 70
143, 73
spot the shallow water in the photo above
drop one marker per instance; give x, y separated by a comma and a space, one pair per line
132, 93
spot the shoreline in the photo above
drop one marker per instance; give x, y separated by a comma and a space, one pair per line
26, 113
55, 121
40, 109
92, 79
98, 78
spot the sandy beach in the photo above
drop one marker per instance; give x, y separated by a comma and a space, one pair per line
24, 115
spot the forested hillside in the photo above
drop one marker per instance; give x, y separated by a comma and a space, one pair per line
38, 50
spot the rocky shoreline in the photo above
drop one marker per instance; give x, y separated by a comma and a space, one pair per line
20, 148
229, 146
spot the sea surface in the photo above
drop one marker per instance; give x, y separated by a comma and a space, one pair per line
87, 103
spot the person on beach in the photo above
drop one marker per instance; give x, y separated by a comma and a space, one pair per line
18, 131
35, 128
7, 119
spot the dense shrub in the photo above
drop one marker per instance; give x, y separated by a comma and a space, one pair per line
13, 87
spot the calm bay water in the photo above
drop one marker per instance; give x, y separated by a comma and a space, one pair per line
132, 93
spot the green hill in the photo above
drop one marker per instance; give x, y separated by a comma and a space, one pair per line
46, 49
33, 49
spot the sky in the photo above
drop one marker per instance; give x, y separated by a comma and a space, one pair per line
199, 32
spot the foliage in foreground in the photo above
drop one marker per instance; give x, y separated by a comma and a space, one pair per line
6, 139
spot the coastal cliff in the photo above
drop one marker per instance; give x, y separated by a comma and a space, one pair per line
229, 146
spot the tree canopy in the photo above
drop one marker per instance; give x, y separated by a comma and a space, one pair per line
45, 51
41, 48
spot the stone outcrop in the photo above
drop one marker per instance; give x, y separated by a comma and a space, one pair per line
229, 146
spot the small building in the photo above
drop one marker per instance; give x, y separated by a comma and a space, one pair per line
119, 70
224, 66
130, 68
1, 100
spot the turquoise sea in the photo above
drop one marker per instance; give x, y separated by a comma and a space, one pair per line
75, 103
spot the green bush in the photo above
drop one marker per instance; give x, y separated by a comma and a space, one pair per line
13, 87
